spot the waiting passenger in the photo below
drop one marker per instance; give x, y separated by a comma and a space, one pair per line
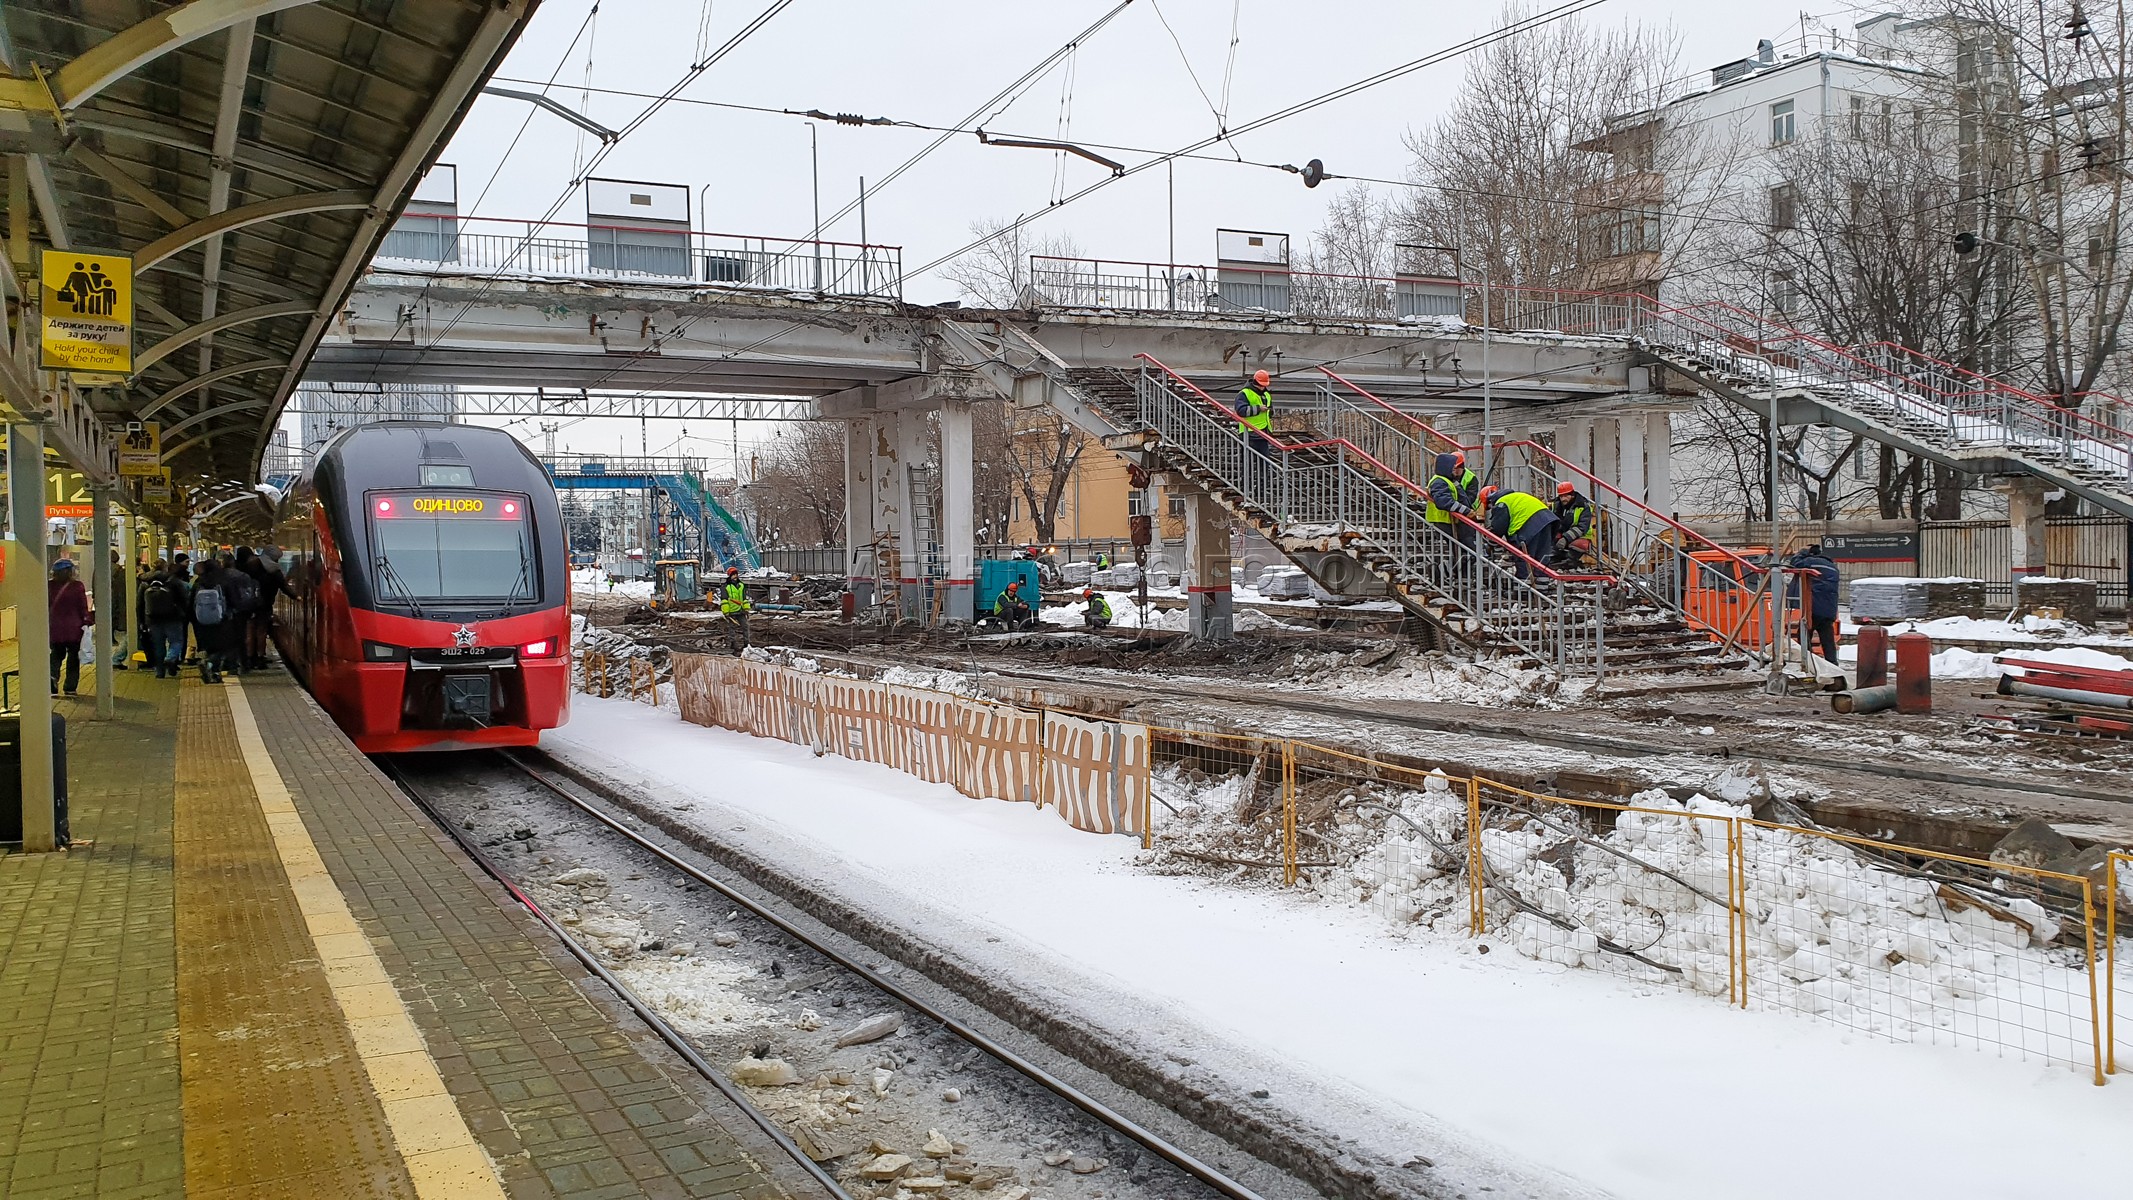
165, 600
70, 617
212, 620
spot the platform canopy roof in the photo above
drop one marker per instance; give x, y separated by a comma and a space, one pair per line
249, 155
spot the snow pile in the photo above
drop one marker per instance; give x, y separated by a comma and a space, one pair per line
955, 683
1828, 933
620, 650
1440, 678
1958, 663
699, 996
1127, 614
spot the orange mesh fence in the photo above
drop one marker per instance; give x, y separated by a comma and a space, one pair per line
1096, 773
997, 751
1649, 890
926, 726
1922, 946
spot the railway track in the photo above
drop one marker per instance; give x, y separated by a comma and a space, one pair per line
589, 801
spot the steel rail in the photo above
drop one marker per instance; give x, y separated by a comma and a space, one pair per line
1148, 1139
645, 1012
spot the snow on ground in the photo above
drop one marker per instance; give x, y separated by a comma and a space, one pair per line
1645, 1091
2029, 629
592, 582
1439, 677
1958, 663
1126, 614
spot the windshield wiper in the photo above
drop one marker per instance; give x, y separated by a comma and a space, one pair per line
522, 587
388, 575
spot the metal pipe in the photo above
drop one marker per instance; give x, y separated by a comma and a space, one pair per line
2011, 686
1865, 700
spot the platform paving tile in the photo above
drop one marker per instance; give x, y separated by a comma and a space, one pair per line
89, 1069
563, 1102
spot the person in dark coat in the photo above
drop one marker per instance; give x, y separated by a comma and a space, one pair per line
69, 602
118, 611
214, 624
1822, 596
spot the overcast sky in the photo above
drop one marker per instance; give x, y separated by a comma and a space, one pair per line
933, 63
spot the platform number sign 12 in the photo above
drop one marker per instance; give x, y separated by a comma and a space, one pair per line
87, 312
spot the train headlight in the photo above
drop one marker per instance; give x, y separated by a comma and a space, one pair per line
379, 652
545, 648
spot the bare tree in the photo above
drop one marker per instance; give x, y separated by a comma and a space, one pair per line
997, 273
2041, 88
797, 495
1356, 237
1534, 156
1028, 455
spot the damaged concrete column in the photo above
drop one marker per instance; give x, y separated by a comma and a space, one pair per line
1630, 442
1659, 462
1207, 569
912, 576
1607, 450
2025, 526
859, 509
958, 500
889, 486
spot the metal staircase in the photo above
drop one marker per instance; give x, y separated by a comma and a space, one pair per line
1894, 395
1324, 492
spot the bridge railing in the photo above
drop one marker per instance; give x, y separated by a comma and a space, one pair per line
550, 249
1199, 288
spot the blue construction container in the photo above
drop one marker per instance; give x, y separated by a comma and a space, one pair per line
993, 578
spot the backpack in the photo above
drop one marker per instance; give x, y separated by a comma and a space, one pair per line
209, 607
243, 591
162, 602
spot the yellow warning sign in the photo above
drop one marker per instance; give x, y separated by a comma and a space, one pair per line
141, 450
88, 312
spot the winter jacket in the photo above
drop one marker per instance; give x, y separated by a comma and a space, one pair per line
1452, 489
1823, 592
1511, 512
70, 610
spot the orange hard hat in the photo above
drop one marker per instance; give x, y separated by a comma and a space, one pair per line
1087, 592
1262, 378
1488, 492
1564, 488
1458, 459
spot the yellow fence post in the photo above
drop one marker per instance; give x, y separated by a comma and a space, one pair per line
2088, 930
1739, 870
1477, 917
1288, 814
2110, 960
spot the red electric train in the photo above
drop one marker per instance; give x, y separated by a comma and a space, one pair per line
432, 598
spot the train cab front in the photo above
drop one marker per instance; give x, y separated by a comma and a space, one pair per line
464, 642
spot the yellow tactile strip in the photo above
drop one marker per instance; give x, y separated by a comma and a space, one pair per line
276, 1101
439, 1151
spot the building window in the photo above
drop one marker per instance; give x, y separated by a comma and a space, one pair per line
1858, 116
1782, 128
1177, 506
1784, 207
1784, 293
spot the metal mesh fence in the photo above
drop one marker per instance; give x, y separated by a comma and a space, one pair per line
1646, 889
1898, 942
1917, 945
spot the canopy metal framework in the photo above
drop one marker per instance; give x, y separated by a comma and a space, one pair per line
249, 155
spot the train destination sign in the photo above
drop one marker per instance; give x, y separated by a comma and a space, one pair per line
440, 506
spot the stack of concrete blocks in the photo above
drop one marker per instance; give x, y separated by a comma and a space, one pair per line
1284, 583
1896, 598
2073, 599
1078, 573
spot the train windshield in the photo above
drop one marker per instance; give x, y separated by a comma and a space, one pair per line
452, 546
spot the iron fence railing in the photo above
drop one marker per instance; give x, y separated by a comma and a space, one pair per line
1332, 492
551, 249
1670, 566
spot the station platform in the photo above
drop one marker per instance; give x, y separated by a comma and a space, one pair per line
261, 971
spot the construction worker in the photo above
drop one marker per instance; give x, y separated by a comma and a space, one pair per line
1576, 522
1011, 610
1525, 522
1098, 614
1255, 412
1822, 596
1452, 492
1103, 560
734, 606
